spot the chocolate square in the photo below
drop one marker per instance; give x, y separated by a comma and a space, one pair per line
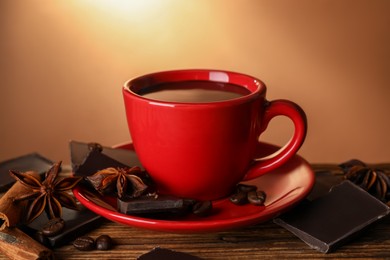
94, 162
28, 162
76, 224
79, 152
329, 221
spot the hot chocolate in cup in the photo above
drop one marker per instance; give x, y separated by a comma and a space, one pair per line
196, 131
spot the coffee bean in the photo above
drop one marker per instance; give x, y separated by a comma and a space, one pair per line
239, 198
53, 227
202, 208
257, 197
246, 188
103, 242
84, 243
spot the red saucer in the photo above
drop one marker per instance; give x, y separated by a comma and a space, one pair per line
284, 187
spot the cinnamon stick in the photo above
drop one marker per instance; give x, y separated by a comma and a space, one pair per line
11, 212
19, 246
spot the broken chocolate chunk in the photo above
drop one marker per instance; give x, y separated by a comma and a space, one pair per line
79, 151
77, 223
153, 204
329, 221
163, 253
109, 176
29, 162
94, 162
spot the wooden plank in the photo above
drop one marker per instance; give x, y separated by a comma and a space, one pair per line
262, 241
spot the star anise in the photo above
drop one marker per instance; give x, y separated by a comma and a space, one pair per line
51, 194
125, 182
375, 181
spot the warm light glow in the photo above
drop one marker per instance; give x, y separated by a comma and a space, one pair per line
329, 58
129, 7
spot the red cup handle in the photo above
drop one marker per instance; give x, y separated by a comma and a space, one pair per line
298, 117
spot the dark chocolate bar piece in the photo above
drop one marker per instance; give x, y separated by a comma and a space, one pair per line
325, 180
152, 205
80, 150
163, 253
329, 221
76, 224
28, 162
94, 162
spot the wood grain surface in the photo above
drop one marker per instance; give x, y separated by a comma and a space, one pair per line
261, 241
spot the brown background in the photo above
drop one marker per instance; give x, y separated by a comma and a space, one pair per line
62, 65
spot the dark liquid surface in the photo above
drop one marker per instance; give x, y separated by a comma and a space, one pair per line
194, 91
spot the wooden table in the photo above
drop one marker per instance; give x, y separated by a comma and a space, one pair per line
261, 241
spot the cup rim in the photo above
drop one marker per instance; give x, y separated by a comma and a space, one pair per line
254, 85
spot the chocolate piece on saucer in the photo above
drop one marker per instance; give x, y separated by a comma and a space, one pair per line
28, 162
94, 162
76, 224
163, 253
153, 205
80, 150
329, 221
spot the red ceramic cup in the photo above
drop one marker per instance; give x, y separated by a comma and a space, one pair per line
201, 150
